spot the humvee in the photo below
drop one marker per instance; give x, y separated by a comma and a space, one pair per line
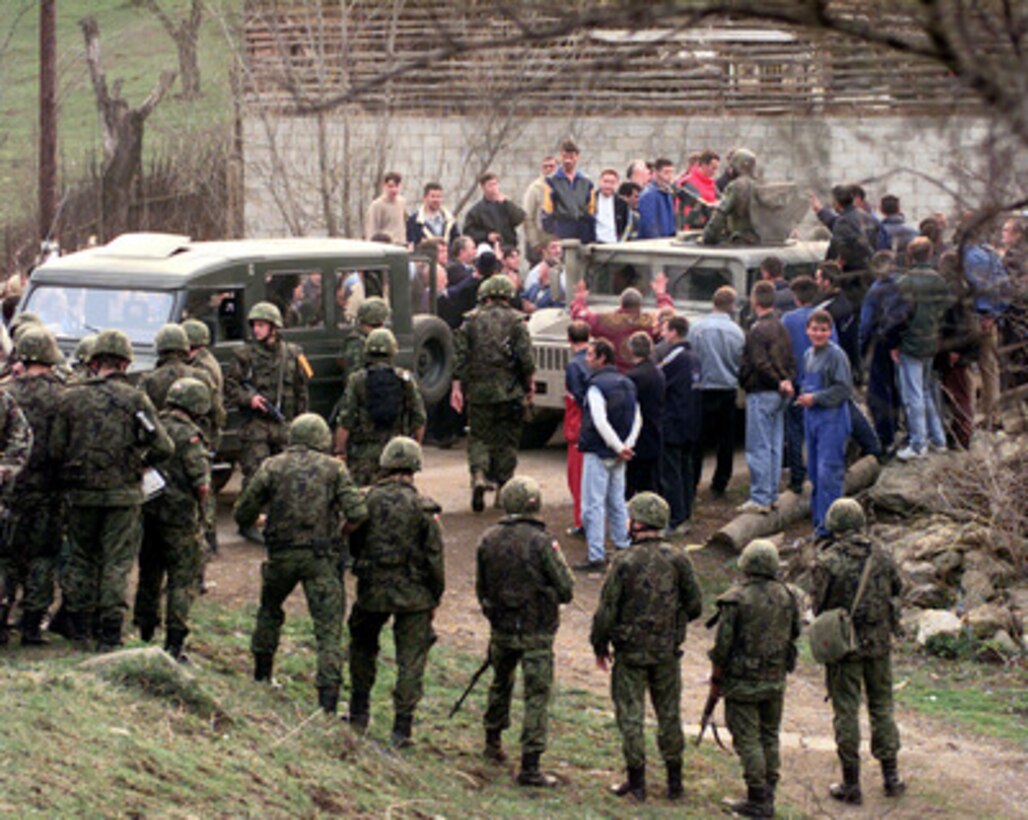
139, 281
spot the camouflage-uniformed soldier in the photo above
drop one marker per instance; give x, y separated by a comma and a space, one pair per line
521, 580
398, 561
648, 597
755, 647
199, 336
372, 313
836, 579
80, 359
19, 324
381, 401
171, 521
311, 503
731, 223
492, 374
267, 381
105, 433
32, 541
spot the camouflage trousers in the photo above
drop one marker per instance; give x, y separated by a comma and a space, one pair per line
494, 432
754, 726
175, 553
413, 637
535, 654
258, 439
362, 461
844, 682
628, 686
104, 545
326, 601
30, 550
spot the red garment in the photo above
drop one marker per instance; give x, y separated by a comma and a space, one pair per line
572, 426
618, 325
707, 186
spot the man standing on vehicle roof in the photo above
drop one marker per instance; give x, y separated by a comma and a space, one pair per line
267, 381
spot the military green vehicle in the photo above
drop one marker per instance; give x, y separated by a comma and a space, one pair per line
139, 281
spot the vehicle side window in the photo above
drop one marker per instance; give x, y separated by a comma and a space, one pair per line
298, 295
692, 283
611, 278
218, 309
354, 286
799, 269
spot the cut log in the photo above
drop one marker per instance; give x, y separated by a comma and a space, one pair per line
742, 529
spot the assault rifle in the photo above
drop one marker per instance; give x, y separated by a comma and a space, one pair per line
270, 410
474, 679
708, 715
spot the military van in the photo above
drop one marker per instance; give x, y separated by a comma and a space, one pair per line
139, 281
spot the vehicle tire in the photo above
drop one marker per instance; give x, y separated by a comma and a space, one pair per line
538, 431
433, 358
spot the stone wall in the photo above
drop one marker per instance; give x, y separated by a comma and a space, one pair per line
932, 164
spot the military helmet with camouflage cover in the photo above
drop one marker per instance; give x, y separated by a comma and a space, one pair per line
265, 312
497, 286
381, 342
743, 161
650, 510
191, 395
401, 453
197, 332
24, 319
310, 430
37, 345
112, 343
84, 349
844, 515
171, 338
760, 558
373, 311
521, 495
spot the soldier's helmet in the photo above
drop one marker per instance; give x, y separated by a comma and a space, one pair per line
36, 344
497, 286
401, 453
373, 311
265, 312
112, 343
191, 395
650, 510
521, 495
744, 161
844, 515
381, 343
311, 430
197, 332
171, 338
24, 319
84, 349
760, 558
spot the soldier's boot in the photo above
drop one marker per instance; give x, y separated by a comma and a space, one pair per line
478, 488
174, 641
849, 790
674, 781
894, 787
31, 633
263, 664
328, 699
635, 786
755, 804
530, 774
110, 635
360, 712
494, 746
400, 737
769, 794
79, 629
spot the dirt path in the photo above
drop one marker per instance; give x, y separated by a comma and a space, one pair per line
950, 772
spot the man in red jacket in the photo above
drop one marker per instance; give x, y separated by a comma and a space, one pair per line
700, 185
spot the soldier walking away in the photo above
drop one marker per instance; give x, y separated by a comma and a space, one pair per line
267, 381
755, 647
30, 526
521, 580
105, 434
837, 577
372, 314
381, 401
493, 376
648, 597
311, 504
398, 561
172, 522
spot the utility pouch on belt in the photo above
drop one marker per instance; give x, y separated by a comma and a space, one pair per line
832, 636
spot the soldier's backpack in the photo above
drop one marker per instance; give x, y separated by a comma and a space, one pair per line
385, 397
832, 636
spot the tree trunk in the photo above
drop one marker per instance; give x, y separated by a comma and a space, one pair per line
188, 67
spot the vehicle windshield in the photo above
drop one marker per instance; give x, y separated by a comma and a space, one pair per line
688, 281
73, 312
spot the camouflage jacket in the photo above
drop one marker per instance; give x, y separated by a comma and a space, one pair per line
105, 433
309, 496
351, 355
398, 554
836, 578
758, 624
184, 472
522, 577
731, 223
271, 370
170, 368
15, 437
205, 360
648, 597
38, 397
355, 409
493, 355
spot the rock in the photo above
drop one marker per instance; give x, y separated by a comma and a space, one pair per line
909, 619
977, 588
937, 622
947, 564
145, 656
937, 537
1018, 599
901, 488
999, 573
1004, 642
918, 572
988, 619
929, 596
